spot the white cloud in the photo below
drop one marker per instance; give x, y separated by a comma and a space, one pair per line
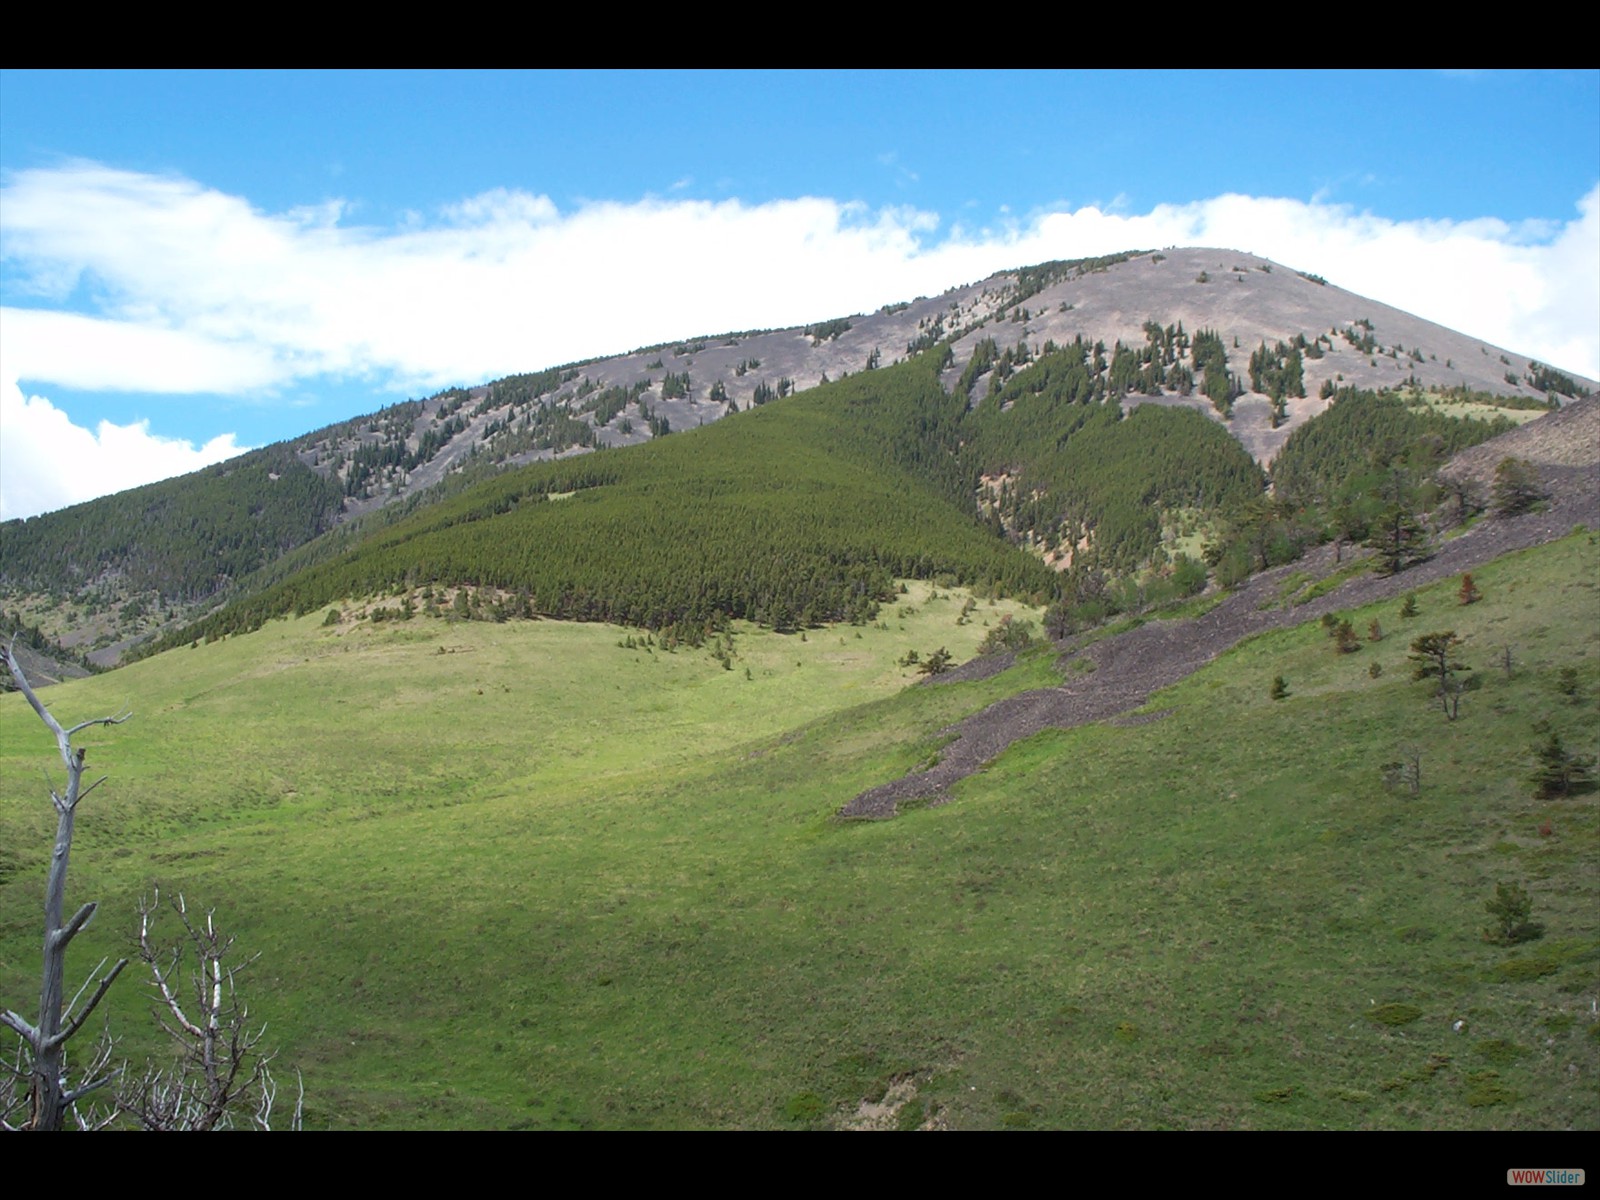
98, 354
47, 462
191, 290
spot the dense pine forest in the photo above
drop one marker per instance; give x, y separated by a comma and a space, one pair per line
1362, 428
793, 514
804, 512
181, 538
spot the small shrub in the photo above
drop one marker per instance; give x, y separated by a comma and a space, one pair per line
1484, 1090
1394, 1014
1469, 593
1408, 608
1525, 970
1511, 909
1280, 689
1007, 635
1499, 1051
804, 1106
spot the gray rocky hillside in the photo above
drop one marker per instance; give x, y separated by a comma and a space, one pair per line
1248, 301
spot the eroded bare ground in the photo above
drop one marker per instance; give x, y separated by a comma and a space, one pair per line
899, 1108
1130, 667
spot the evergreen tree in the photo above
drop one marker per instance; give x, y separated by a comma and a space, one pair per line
1511, 909
1559, 773
1516, 488
1434, 657
1398, 540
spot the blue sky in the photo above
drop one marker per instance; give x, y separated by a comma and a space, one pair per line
191, 264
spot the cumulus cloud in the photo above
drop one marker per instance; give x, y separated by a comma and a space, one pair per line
148, 282
504, 281
47, 462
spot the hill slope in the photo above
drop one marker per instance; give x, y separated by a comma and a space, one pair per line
1123, 670
103, 574
525, 875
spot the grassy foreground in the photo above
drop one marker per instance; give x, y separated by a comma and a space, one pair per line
521, 876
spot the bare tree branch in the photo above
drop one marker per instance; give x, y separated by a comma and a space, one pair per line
44, 1044
79, 919
99, 994
63, 736
220, 1075
92, 786
221, 1071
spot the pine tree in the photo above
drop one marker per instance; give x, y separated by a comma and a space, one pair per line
1434, 656
1397, 540
1559, 773
1516, 488
1511, 909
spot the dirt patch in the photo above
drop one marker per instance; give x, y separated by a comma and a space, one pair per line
899, 1108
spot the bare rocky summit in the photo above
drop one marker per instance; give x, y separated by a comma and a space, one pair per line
1246, 299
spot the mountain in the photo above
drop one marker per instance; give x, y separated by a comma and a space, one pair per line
1040, 361
553, 874
1227, 861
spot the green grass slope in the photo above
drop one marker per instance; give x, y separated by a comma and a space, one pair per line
523, 876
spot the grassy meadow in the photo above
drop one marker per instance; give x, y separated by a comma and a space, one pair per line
525, 876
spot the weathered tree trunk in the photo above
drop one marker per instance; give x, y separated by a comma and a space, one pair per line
49, 1094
